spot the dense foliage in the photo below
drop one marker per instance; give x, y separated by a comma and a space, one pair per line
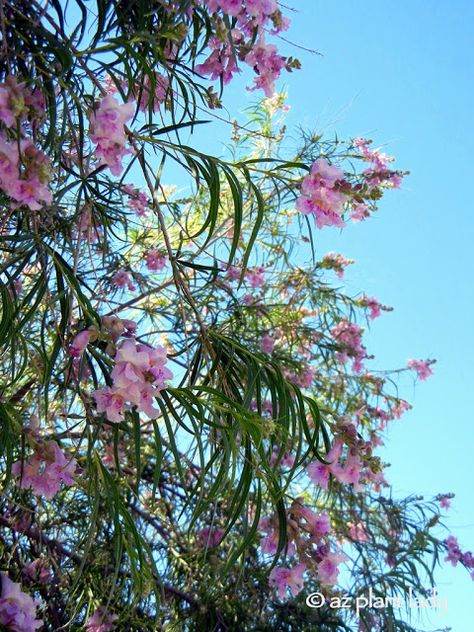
189, 422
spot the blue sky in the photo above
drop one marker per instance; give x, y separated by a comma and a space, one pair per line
402, 74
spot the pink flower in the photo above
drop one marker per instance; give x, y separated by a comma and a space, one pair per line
360, 212
319, 524
144, 92
256, 277
336, 262
231, 7
210, 537
79, 343
45, 470
328, 568
319, 472
349, 336
283, 579
110, 403
266, 344
18, 103
267, 64
422, 367
138, 377
358, 533
38, 570
155, 260
17, 609
25, 180
233, 273
350, 472
306, 377
454, 552
373, 305
138, 200
269, 542
122, 279
320, 196
101, 621
444, 502
106, 130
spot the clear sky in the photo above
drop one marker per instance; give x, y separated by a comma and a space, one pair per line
402, 74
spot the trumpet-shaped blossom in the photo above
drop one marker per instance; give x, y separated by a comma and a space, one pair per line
106, 130
358, 533
328, 570
138, 200
267, 64
320, 195
269, 541
17, 609
18, 103
39, 571
210, 536
149, 96
444, 502
138, 377
349, 336
101, 621
454, 552
266, 344
25, 180
319, 472
122, 279
336, 262
256, 277
422, 368
372, 304
284, 579
45, 470
80, 343
155, 260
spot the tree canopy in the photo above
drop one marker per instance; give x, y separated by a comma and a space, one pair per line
190, 421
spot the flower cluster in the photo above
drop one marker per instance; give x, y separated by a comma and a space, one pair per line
121, 279
348, 473
24, 169
321, 195
455, 555
210, 536
138, 377
38, 570
378, 174
266, 344
267, 64
227, 47
19, 104
17, 609
307, 536
155, 260
373, 305
101, 621
45, 470
149, 95
106, 130
422, 368
349, 336
255, 277
335, 261
137, 200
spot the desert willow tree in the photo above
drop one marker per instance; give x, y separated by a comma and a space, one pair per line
189, 421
